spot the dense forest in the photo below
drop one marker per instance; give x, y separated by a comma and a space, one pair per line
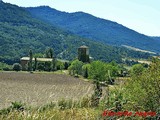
95, 28
156, 38
19, 32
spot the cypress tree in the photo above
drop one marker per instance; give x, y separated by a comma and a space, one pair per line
30, 60
86, 73
35, 63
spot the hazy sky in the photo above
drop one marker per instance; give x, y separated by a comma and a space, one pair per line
140, 15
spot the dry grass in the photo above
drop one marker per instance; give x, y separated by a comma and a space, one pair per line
54, 114
40, 88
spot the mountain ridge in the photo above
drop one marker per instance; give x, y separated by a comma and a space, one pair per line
95, 28
19, 32
156, 37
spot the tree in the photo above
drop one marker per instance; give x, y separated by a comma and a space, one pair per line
17, 67
41, 66
47, 66
98, 71
66, 65
59, 65
114, 70
137, 70
53, 64
38, 55
76, 67
85, 69
143, 89
30, 60
35, 63
49, 53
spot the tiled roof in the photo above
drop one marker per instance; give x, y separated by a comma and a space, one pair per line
43, 59
83, 46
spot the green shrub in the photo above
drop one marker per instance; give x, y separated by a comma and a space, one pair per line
17, 105
17, 67
143, 89
46, 107
137, 69
41, 66
75, 68
62, 104
85, 69
5, 67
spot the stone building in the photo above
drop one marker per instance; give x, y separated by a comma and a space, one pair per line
24, 61
83, 54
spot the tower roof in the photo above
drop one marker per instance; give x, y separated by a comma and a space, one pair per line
83, 46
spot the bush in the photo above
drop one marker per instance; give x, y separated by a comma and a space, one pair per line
75, 68
17, 105
17, 67
66, 65
59, 65
5, 67
47, 66
65, 104
85, 69
51, 105
137, 69
40, 66
98, 71
143, 89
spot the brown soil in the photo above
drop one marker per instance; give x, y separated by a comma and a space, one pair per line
40, 88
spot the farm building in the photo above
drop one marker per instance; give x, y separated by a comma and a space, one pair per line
24, 61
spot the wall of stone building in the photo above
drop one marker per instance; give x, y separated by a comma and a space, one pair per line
23, 64
83, 54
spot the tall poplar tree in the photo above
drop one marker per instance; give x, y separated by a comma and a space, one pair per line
30, 60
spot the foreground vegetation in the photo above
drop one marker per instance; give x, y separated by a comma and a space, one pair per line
138, 94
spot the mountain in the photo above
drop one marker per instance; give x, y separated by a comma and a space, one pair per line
19, 32
156, 38
95, 28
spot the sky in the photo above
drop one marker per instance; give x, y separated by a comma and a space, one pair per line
142, 16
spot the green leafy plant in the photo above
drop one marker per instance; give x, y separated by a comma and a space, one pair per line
17, 67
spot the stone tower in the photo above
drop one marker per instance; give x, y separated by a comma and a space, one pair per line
83, 54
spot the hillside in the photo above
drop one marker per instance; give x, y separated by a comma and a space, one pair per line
156, 38
98, 29
19, 32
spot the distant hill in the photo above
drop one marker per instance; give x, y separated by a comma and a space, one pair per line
94, 28
136, 49
19, 32
156, 38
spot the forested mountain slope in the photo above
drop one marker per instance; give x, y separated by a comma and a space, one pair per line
19, 32
94, 28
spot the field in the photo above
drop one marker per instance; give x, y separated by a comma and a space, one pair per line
40, 88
